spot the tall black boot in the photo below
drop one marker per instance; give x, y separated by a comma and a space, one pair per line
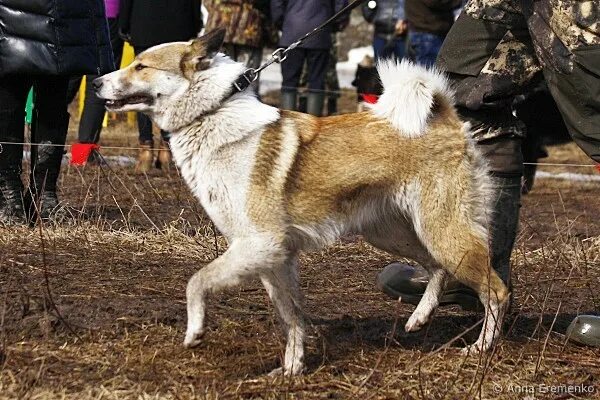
46, 157
12, 210
314, 103
504, 224
289, 99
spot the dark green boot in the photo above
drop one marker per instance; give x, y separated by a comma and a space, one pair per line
314, 103
289, 99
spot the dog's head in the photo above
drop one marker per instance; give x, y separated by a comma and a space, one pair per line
170, 80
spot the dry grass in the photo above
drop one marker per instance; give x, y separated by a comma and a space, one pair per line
96, 308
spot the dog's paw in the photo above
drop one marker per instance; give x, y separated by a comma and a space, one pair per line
277, 372
294, 371
193, 339
415, 323
472, 349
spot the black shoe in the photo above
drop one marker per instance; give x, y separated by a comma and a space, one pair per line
12, 210
408, 283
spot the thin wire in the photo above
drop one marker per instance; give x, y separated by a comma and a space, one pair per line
142, 148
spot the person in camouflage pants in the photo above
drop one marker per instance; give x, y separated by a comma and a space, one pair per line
498, 49
248, 29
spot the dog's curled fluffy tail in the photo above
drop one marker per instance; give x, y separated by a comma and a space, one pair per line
411, 94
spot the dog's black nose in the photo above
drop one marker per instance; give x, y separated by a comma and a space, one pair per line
97, 84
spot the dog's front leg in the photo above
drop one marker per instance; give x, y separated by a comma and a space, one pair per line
281, 283
244, 258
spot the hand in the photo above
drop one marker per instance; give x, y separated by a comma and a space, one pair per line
401, 27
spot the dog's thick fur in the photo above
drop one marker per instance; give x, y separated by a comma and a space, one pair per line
405, 175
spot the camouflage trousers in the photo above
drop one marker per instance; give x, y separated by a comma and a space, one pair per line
498, 49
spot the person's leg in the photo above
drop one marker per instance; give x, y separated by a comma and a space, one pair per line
92, 116
400, 47
48, 134
291, 69
13, 96
146, 140
73, 89
317, 61
115, 41
425, 47
378, 46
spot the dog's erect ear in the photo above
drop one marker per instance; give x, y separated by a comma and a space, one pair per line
202, 51
213, 41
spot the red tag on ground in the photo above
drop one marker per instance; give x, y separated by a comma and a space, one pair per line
370, 98
80, 152
598, 167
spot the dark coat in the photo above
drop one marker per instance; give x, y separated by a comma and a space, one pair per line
431, 16
295, 18
383, 14
54, 37
146, 23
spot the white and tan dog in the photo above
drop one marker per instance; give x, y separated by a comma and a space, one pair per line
405, 175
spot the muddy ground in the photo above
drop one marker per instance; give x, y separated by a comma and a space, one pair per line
96, 308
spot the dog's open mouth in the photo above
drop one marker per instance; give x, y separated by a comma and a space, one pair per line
131, 100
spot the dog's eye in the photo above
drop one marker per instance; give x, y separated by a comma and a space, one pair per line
140, 67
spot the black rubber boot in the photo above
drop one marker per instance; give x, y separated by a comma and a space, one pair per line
46, 159
12, 210
289, 100
504, 224
314, 103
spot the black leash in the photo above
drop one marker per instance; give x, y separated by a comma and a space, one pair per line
279, 55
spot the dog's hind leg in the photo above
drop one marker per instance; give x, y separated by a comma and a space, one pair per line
460, 250
281, 283
430, 300
400, 239
243, 259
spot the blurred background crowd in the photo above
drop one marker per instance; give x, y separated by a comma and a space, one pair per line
54, 63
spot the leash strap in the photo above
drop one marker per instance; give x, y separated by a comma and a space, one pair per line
279, 55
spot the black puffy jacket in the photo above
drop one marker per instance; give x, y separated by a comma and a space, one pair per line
54, 37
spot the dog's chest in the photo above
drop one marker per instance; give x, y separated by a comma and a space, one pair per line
219, 180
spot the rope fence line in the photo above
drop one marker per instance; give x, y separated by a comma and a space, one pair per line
542, 164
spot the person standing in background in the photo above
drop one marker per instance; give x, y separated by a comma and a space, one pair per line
387, 16
44, 42
248, 29
295, 18
429, 21
147, 23
92, 116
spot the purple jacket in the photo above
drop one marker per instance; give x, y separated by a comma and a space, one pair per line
112, 8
